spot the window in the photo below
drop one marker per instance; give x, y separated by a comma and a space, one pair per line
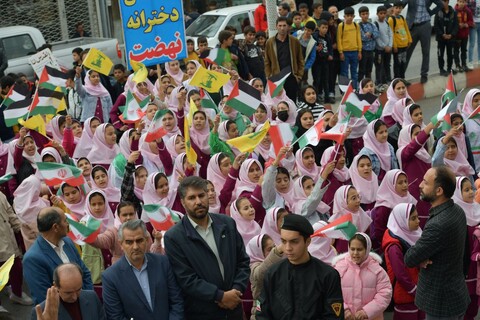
205, 25
18, 46
239, 21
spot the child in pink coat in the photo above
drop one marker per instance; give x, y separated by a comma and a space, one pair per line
366, 287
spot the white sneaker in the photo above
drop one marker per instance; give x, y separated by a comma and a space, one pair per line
470, 65
24, 299
3, 310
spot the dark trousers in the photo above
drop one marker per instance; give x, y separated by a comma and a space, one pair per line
321, 76
382, 67
291, 87
460, 52
334, 71
422, 33
400, 63
365, 66
441, 48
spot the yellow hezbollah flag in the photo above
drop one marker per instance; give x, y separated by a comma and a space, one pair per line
209, 80
97, 60
37, 123
249, 142
5, 271
140, 71
191, 112
190, 153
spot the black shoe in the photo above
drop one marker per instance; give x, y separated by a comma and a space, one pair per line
329, 100
443, 73
466, 69
424, 79
453, 71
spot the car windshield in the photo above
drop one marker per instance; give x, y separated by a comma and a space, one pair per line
205, 25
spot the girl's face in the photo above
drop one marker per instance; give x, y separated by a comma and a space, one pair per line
71, 195
306, 120
260, 115
413, 221
127, 213
191, 69
94, 78
282, 107
341, 160
168, 121
86, 167
364, 167
97, 205
179, 144
93, 125
267, 141
400, 90
456, 124
310, 96
162, 187
197, 100
369, 87
225, 166
417, 116
269, 245
308, 159
212, 195
282, 182
199, 121
476, 101
353, 200
174, 66
62, 128
141, 177
77, 129
29, 146
48, 158
151, 110
357, 251
226, 109
254, 173
110, 136
415, 132
246, 210
232, 131
326, 119
258, 84
101, 179
165, 83
382, 134
308, 186
468, 193
452, 150
401, 186
143, 88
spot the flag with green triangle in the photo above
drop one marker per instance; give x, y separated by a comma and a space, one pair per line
450, 89
161, 217
156, 130
85, 230
341, 228
133, 110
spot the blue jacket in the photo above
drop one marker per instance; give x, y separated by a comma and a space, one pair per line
89, 103
40, 261
123, 297
197, 271
368, 43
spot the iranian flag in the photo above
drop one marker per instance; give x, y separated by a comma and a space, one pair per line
133, 110
450, 107
56, 173
244, 98
5, 178
161, 217
207, 101
218, 56
275, 84
156, 129
450, 89
358, 104
281, 135
312, 136
83, 231
341, 228
52, 78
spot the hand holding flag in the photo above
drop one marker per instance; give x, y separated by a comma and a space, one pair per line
341, 228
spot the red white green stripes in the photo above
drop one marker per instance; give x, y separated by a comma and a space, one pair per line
161, 217
341, 228
56, 173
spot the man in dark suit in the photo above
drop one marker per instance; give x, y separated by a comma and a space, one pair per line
74, 303
51, 249
441, 292
140, 285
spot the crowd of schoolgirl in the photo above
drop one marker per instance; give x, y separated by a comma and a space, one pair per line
374, 175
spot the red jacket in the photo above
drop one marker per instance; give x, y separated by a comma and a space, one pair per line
260, 17
464, 16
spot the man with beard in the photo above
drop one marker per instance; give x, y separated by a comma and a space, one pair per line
207, 256
441, 292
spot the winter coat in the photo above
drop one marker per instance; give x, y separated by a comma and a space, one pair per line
445, 23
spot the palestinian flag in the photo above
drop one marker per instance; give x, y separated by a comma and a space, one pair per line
16, 93
56, 173
47, 101
450, 89
358, 104
244, 98
161, 217
5, 178
16, 111
248, 142
217, 56
341, 228
450, 107
52, 78
83, 231
133, 111
312, 136
475, 114
281, 135
156, 129
207, 101
275, 84
336, 133
348, 91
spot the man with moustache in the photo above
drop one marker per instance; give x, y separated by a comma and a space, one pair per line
208, 257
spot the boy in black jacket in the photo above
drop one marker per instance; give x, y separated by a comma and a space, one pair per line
446, 28
253, 55
324, 55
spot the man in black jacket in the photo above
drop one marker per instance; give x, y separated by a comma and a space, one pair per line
207, 256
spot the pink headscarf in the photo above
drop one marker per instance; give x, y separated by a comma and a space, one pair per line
124, 143
27, 201
392, 98
132, 86
214, 174
460, 165
11, 151
112, 194
404, 139
342, 175
200, 137
340, 208
366, 188
170, 145
136, 189
175, 130
407, 117
232, 115
247, 228
398, 223
176, 78
264, 149
244, 183
270, 224
85, 144
150, 195
151, 161
107, 218
254, 249
398, 109
382, 150
56, 133
94, 90
300, 198
292, 112
467, 108
51, 152
222, 131
173, 101
269, 116
387, 196
472, 210
320, 247
177, 169
313, 173
77, 209
101, 152
215, 207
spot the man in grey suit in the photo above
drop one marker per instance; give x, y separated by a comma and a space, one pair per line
74, 303
419, 14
